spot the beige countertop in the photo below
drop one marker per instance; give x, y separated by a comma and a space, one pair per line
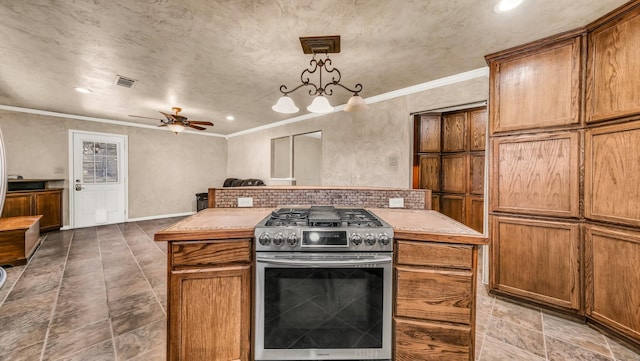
230, 223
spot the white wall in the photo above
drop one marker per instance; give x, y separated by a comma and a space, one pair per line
358, 149
165, 170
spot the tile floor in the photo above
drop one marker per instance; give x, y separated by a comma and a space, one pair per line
100, 294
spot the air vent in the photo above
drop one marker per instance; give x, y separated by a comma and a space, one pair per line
123, 81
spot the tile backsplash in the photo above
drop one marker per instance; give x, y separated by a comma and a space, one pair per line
265, 197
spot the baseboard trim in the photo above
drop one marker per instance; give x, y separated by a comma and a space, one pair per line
149, 218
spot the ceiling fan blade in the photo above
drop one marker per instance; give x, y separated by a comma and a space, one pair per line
200, 123
196, 127
169, 116
140, 116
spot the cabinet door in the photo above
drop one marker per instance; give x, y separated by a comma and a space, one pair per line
538, 260
454, 173
432, 341
429, 130
435, 202
49, 205
475, 213
536, 174
210, 314
613, 66
476, 174
17, 205
477, 129
612, 174
453, 206
537, 89
454, 133
613, 278
430, 172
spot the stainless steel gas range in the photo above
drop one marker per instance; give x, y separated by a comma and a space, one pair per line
323, 285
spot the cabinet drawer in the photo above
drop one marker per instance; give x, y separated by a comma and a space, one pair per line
434, 295
431, 341
213, 252
434, 254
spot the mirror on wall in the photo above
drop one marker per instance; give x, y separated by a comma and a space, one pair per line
297, 158
281, 157
307, 159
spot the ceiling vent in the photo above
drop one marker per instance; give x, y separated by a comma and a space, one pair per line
123, 81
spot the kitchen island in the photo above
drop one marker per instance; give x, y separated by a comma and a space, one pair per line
210, 284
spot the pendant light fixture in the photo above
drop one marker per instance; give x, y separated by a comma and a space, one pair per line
320, 104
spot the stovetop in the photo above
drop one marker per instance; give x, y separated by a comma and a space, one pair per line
323, 228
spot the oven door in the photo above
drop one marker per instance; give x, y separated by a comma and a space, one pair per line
323, 306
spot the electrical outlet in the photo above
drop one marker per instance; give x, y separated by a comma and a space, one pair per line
58, 170
393, 161
396, 202
245, 202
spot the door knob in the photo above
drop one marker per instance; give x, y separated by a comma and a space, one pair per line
79, 187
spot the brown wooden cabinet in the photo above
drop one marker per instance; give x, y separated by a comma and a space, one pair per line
434, 317
613, 68
536, 174
562, 193
612, 174
45, 202
209, 309
429, 172
454, 132
456, 169
536, 260
612, 277
536, 87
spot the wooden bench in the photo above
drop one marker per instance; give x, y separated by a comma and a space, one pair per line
19, 237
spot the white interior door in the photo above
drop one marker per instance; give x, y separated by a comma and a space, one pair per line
99, 183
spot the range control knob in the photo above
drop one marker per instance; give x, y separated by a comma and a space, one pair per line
384, 239
356, 239
370, 239
264, 239
278, 239
292, 240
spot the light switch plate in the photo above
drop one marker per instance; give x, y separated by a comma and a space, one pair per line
245, 202
396, 202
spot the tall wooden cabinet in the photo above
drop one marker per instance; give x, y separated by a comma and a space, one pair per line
449, 160
564, 172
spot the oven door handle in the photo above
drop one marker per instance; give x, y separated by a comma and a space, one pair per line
302, 262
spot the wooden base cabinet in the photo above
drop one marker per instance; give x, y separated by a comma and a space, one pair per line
612, 259
434, 311
536, 260
209, 310
45, 202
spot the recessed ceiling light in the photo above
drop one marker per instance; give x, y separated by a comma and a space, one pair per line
83, 90
230, 117
506, 5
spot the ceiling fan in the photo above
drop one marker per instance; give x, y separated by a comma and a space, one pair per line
176, 122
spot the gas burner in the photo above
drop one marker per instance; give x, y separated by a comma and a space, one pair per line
324, 228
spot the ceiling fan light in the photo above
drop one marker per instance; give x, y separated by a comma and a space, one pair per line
356, 104
285, 105
320, 104
506, 5
175, 127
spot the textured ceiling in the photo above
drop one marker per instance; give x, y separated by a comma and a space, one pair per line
215, 58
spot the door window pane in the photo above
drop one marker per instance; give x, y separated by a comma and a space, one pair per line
99, 162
